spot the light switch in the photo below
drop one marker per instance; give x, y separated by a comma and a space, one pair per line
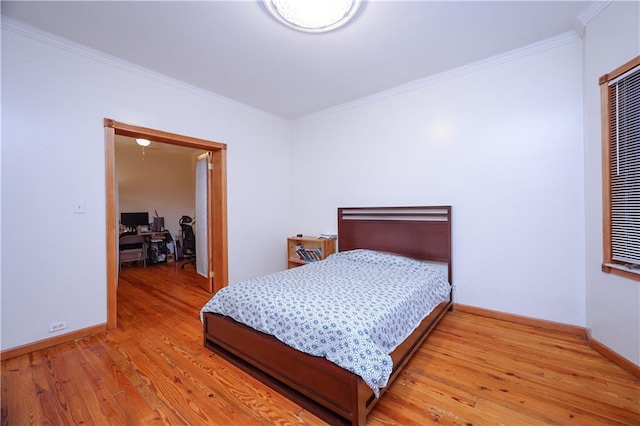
78, 207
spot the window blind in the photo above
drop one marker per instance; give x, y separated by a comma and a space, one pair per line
624, 131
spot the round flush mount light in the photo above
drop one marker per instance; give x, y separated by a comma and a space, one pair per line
314, 16
143, 142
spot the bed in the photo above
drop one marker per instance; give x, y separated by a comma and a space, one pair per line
333, 393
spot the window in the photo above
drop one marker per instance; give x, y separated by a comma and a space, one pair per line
620, 93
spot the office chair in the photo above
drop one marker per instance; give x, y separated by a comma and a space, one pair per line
132, 249
188, 241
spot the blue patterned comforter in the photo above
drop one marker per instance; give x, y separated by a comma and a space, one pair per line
354, 308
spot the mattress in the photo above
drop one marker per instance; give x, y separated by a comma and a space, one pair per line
353, 308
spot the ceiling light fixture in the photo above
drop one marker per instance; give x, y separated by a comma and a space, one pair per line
314, 16
143, 143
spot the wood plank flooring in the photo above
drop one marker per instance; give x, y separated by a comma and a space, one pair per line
154, 370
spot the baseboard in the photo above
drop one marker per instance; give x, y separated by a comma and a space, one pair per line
53, 341
614, 357
603, 350
519, 319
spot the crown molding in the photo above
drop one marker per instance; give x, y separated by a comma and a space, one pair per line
32, 32
26, 30
530, 49
591, 11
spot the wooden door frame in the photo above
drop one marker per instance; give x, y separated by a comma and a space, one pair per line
217, 201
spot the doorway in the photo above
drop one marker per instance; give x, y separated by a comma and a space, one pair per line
216, 200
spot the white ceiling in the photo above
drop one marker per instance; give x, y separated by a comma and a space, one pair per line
237, 50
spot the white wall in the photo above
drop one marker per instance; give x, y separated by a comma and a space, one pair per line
502, 145
53, 105
613, 303
161, 180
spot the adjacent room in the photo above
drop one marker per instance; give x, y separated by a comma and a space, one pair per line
467, 145
156, 199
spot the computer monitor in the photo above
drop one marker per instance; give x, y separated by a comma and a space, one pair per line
134, 219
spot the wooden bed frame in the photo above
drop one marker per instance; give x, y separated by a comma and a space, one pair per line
336, 395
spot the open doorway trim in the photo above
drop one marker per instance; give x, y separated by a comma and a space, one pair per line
218, 203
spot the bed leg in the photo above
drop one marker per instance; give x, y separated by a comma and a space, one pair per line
362, 394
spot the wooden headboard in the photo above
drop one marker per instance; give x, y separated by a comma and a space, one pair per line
419, 232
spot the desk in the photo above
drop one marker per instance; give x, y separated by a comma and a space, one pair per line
156, 246
132, 248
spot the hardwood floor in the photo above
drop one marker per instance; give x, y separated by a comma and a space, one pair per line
154, 370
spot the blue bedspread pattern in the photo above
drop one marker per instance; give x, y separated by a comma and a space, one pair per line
354, 308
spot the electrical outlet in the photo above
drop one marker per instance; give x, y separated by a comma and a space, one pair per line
57, 326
